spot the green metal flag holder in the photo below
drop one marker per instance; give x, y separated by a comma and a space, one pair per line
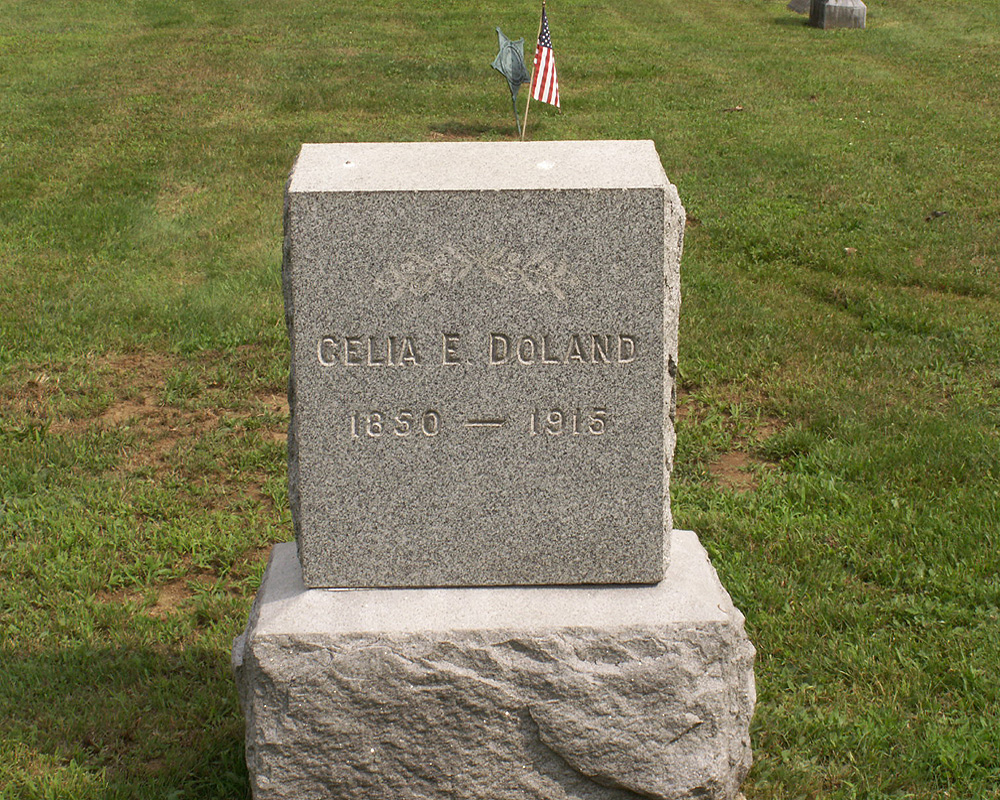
510, 63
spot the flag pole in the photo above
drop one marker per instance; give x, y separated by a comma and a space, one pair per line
531, 83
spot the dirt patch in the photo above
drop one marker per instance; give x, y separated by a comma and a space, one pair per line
686, 406
746, 430
739, 468
163, 430
58, 393
129, 392
118, 597
32, 395
734, 470
766, 428
173, 594
274, 401
170, 596
276, 404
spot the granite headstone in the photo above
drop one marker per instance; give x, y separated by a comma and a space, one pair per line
483, 346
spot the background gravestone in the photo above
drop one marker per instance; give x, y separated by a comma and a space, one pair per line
483, 347
838, 14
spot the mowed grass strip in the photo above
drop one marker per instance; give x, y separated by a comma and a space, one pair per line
840, 374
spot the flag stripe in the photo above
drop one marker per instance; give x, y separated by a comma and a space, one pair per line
545, 84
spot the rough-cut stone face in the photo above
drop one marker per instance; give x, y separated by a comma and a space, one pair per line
513, 693
483, 349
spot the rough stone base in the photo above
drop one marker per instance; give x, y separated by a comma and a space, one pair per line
838, 14
499, 693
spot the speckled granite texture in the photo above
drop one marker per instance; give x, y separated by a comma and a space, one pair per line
547, 693
483, 350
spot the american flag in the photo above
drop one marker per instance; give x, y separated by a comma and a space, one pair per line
544, 84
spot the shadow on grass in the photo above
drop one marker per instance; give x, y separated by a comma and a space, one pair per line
121, 722
459, 131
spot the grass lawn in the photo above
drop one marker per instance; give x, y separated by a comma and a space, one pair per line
838, 445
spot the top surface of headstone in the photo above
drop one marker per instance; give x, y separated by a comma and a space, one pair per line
444, 166
481, 335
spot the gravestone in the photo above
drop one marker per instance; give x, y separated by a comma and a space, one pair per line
828, 14
481, 362
483, 353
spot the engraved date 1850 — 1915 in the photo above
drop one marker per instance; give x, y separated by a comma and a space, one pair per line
407, 423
